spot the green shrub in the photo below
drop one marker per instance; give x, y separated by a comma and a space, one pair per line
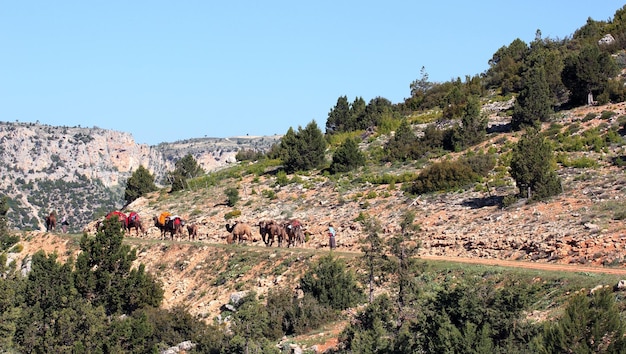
589, 116
581, 162
281, 178
509, 200
371, 195
269, 193
443, 176
17, 248
330, 283
232, 195
232, 214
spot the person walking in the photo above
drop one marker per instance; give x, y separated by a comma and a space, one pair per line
332, 242
64, 224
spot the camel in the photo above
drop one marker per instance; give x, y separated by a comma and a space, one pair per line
240, 232
172, 224
192, 229
121, 217
271, 229
295, 235
51, 222
135, 222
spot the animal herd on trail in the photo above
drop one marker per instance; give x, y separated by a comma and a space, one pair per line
290, 232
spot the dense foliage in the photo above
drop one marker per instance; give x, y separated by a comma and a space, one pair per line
533, 167
302, 150
140, 183
347, 157
185, 169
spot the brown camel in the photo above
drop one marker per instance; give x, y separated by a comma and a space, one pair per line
192, 230
135, 222
269, 229
51, 222
295, 234
240, 232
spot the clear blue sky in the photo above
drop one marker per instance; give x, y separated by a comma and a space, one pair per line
172, 70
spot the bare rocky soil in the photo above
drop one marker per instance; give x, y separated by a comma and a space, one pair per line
581, 230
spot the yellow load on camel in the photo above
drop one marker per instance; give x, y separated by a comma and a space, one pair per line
164, 215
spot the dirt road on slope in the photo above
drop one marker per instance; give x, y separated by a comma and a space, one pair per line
530, 265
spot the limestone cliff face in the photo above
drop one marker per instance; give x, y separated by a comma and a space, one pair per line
33, 151
82, 171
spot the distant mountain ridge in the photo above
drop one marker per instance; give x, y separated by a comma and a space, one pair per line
80, 172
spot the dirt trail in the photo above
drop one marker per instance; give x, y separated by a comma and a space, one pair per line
530, 265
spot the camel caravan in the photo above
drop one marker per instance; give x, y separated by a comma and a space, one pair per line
288, 233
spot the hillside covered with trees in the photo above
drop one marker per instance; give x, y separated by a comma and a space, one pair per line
432, 143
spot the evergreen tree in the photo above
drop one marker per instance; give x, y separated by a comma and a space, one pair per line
374, 255
303, 150
587, 72
403, 145
548, 54
357, 111
139, 184
6, 239
534, 103
375, 110
347, 157
331, 284
104, 274
232, 196
373, 330
404, 247
455, 101
339, 116
185, 168
506, 65
473, 128
532, 167
590, 324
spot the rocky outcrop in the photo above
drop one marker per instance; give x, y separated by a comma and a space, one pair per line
78, 170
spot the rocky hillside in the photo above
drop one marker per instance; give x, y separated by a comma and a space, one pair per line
582, 230
582, 227
80, 172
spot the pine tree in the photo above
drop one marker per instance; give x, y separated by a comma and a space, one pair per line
590, 324
104, 275
473, 128
185, 168
6, 239
532, 167
331, 284
534, 103
339, 116
347, 157
587, 72
403, 145
374, 256
140, 183
404, 247
303, 150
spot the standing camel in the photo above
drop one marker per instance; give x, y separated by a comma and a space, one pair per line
192, 229
135, 222
171, 224
270, 230
295, 234
51, 222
